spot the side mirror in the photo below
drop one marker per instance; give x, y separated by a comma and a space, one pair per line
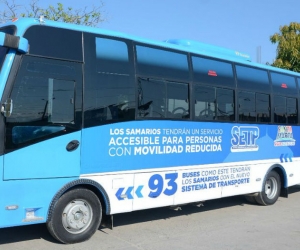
14, 42
7, 108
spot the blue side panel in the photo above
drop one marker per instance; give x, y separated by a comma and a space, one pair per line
31, 176
154, 144
24, 202
47, 159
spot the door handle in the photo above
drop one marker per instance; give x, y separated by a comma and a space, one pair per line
72, 145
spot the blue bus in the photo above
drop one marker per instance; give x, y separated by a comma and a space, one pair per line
95, 123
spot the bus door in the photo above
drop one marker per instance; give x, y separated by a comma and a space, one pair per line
43, 116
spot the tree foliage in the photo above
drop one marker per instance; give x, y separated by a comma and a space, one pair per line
85, 16
288, 47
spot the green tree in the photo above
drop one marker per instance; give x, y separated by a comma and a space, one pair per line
85, 16
288, 47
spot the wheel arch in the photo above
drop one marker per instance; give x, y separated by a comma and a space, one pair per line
91, 185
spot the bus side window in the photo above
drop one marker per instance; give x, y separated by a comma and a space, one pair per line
214, 103
225, 104
247, 110
280, 109
44, 106
178, 100
292, 113
151, 98
109, 86
285, 110
262, 104
163, 99
205, 108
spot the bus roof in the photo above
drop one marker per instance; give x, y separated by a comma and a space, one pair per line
208, 48
183, 45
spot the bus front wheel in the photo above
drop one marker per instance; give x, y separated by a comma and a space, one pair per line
271, 189
75, 217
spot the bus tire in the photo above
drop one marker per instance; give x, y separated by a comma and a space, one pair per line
250, 199
75, 217
271, 189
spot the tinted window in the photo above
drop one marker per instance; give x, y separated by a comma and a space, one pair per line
247, 106
112, 56
280, 109
205, 108
109, 86
284, 84
210, 71
291, 111
162, 99
54, 42
225, 104
214, 103
250, 78
41, 98
162, 63
254, 107
45, 104
262, 106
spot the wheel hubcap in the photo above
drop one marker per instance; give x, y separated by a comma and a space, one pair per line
271, 187
77, 216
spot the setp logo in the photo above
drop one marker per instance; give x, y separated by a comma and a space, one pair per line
244, 138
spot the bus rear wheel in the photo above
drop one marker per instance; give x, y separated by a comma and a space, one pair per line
271, 189
250, 199
75, 217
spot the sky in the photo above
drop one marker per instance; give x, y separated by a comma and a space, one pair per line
242, 25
